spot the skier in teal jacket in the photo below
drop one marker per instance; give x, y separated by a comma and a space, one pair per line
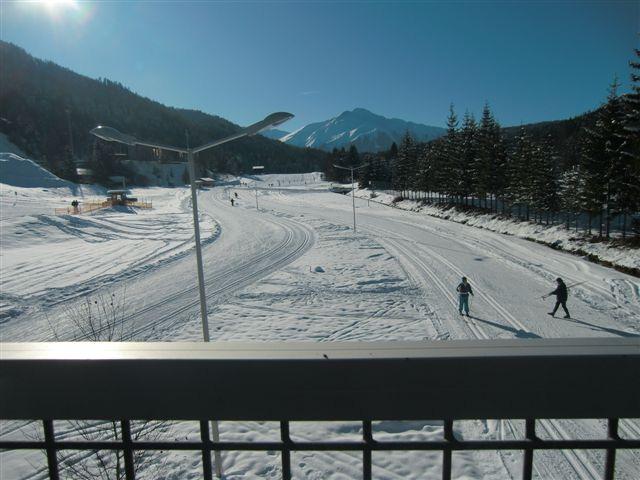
464, 289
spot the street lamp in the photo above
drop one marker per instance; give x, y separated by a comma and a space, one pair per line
112, 135
353, 189
255, 183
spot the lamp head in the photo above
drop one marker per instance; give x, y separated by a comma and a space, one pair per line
270, 121
112, 135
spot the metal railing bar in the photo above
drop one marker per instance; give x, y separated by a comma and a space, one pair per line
367, 436
207, 467
127, 447
446, 452
610, 461
531, 440
456, 445
49, 445
285, 447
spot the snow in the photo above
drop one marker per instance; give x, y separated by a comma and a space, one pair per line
6, 146
553, 235
21, 172
294, 270
366, 130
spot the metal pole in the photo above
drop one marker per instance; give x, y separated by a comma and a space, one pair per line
215, 432
256, 189
196, 228
353, 201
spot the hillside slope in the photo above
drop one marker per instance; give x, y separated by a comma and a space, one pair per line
41, 101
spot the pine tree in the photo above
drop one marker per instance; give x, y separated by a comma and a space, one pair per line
364, 174
632, 114
451, 175
353, 157
489, 167
630, 200
572, 192
519, 173
468, 154
607, 169
544, 186
405, 164
393, 152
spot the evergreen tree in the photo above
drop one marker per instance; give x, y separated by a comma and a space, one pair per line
353, 158
392, 154
630, 200
519, 175
405, 164
489, 167
606, 167
364, 174
572, 191
544, 183
632, 115
468, 153
451, 174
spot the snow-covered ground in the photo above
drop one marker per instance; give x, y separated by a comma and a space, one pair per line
296, 271
556, 236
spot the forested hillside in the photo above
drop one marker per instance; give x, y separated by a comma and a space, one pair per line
48, 110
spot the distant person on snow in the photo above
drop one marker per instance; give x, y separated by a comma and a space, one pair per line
232, 202
236, 194
464, 289
561, 297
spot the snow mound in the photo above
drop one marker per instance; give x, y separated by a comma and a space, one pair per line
22, 172
7, 146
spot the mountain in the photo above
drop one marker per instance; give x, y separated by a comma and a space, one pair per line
360, 127
274, 134
47, 111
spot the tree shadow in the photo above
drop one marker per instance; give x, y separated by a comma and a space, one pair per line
518, 332
592, 326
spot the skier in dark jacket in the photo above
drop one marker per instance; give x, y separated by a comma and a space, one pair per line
561, 294
464, 289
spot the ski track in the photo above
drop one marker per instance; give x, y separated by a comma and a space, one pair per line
424, 268
584, 464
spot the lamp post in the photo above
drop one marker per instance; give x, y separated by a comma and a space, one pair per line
353, 189
255, 184
112, 135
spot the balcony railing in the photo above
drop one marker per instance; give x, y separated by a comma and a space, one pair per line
532, 380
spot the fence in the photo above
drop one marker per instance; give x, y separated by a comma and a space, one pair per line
625, 224
498, 379
83, 208
88, 207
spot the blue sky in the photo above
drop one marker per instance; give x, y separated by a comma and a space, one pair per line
531, 61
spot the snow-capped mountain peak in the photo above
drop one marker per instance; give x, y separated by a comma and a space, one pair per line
362, 128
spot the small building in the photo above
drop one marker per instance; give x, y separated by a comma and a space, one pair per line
206, 182
85, 175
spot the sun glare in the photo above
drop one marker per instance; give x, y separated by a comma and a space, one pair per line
55, 6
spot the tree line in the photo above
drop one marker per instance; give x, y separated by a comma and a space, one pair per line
476, 164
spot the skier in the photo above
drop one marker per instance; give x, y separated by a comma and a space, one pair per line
236, 194
561, 297
464, 289
232, 202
